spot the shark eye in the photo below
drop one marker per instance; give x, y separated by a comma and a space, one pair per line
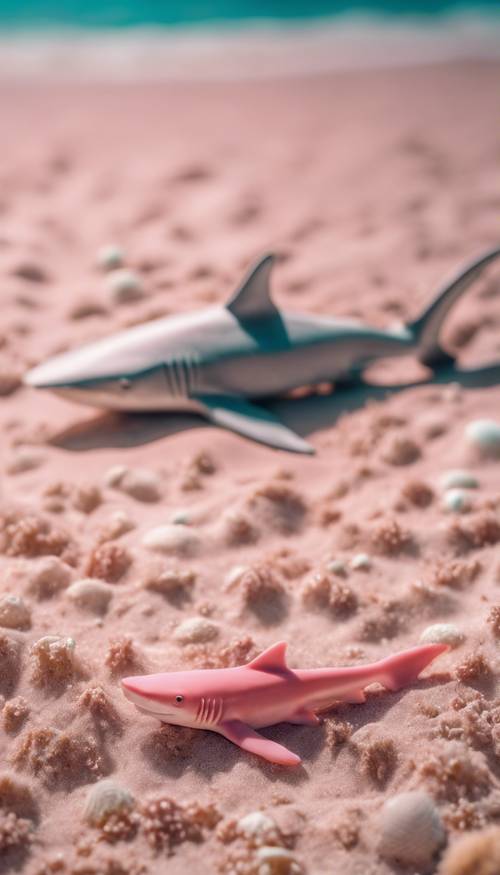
179, 699
125, 384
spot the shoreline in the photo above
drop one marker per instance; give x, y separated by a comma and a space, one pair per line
250, 51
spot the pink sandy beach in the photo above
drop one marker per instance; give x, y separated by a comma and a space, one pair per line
372, 186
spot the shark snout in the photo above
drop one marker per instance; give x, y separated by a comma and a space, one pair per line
134, 686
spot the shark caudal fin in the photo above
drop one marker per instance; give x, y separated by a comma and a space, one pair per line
427, 328
404, 668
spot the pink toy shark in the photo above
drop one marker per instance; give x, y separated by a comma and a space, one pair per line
237, 701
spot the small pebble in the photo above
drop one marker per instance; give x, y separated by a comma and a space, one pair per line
14, 613
196, 630
457, 479
361, 562
92, 595
140, 483
273, 860
178, 539
106, 798
484, 435
411, 829
337, 566
124, 286
110, 257
24, 460
49, 576
442, 633
457, 501
432, 426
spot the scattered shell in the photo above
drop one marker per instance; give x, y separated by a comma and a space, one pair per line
457, 479
457, 501
361, 562
256, 824
484, 434
119, 524
337, 566
196, 630
124, 286
170, 582
442, 633
114, 475
24, 460
234, 575
140, 483
179, 539
14, 613
110, 257
411, 829
106, 798
50, 576
276, 861
180, 517
92, 595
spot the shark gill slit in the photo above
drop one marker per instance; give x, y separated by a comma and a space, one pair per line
166, 371
209, 711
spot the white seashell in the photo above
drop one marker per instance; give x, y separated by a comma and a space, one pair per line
337, 566
141, 484
92, 595
180, 517
110, 257
442, 633
50, 575
411, 829
106, 798
174, 538
484, 434
119, 524
361, 562
273, 860
457, 501
234, 575
114, 475
256, 824
124, 286
457, 479
14, 613
196, 630
24, 460
54, 643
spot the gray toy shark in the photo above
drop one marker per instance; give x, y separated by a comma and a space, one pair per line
220, 361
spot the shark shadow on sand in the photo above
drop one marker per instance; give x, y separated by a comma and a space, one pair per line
302, 415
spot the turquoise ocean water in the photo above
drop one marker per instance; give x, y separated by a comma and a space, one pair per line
29, 14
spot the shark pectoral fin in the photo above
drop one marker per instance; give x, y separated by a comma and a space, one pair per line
237, 414
303, 717
246, 738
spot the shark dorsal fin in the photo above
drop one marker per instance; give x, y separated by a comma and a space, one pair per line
272, 659
253, 298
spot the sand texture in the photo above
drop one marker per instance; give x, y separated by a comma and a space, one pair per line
372, 188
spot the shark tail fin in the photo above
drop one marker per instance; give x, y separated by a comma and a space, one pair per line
427, 328
404, 668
